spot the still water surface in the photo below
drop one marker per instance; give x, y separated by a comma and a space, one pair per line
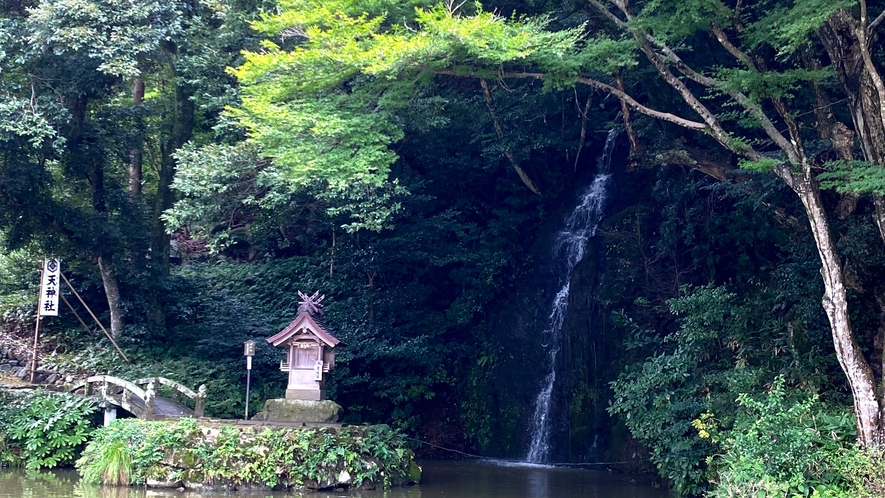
463, 479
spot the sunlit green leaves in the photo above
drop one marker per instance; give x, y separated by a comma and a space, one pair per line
333, 137
787, 27
859, 177
770, 84
321, 110
674, 20
763, 165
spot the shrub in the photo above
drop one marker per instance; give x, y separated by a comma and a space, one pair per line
865, 472
135, 451
785, 444
43, 429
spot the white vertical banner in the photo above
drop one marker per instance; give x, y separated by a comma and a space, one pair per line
49, 288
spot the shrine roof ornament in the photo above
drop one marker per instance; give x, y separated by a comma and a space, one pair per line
311, 304
309, 319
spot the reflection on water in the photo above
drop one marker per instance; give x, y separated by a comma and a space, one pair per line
462, 479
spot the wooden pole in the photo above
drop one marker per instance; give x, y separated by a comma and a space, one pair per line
63, 277
34, 354
37, 328
86, 327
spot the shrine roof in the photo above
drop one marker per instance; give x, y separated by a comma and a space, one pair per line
304, 320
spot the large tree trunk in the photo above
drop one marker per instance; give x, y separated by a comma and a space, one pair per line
835, 303
112, 291
135, 155
839, 37
180, 133
103, 245
861, 82
182, 129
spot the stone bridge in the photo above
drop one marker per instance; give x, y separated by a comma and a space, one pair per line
114, 392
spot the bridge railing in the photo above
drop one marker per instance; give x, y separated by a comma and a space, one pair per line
199, 397
148, 395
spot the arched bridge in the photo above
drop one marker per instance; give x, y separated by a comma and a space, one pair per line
143, 403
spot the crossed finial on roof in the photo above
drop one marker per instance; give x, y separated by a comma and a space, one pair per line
311, 304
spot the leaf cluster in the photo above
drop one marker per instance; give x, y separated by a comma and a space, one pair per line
786, 442
120, 34
133, 451
42, 429
859, 177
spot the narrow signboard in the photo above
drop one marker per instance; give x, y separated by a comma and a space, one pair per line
49, 288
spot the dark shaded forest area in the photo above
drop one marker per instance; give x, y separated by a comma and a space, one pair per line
196, 164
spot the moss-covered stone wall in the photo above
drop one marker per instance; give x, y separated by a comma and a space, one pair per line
200, 455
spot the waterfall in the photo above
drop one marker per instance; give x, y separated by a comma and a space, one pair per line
568, 250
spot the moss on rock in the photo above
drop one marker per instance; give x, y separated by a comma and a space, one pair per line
195, 455
299, 410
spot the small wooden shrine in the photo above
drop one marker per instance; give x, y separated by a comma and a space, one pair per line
309, 350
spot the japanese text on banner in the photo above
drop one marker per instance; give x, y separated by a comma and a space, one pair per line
49, 288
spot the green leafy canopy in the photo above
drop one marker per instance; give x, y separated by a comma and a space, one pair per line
119, 33
320, 109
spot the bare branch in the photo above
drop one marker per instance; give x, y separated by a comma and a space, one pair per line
681, 66
607, 13
628, 124
452, 7
664, 116
293, 32
622, 5
733, 50
736, 18
863, 41
498, 131
875, 24
584, 118
715, 128
792, 149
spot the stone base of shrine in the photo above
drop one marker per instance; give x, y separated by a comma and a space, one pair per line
310, 394
299, 410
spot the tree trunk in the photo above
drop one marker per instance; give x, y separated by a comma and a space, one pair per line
835, 303
839, 38
135, 155
180, 133
182, 129
103, 244
112, 291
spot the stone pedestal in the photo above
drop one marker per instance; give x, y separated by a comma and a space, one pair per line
299, 410
110, 414
308, 394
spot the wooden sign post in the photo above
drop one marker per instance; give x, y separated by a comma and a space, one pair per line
47, 304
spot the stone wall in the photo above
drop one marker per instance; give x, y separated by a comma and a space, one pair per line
17, 365
211, 455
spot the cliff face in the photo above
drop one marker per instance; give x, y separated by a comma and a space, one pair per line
586, 361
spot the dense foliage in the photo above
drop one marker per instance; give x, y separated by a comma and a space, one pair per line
135, 452
196, 164
43, 430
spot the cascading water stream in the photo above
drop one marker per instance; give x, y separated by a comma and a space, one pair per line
569, 249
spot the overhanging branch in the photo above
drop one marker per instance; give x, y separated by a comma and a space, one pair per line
664, 116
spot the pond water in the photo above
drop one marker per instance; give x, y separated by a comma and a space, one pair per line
450, 479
